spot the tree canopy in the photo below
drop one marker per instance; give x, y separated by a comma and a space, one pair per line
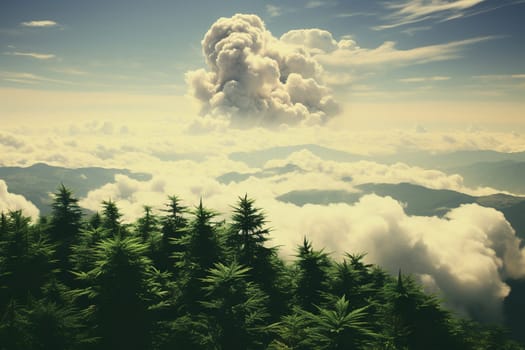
185, 279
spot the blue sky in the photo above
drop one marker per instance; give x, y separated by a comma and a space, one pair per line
147, 46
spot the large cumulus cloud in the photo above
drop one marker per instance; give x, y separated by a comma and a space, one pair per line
254, 78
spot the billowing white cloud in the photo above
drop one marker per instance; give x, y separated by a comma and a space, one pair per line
10, 201
464, 257
127, 192
362, 172
255, 79
315, 40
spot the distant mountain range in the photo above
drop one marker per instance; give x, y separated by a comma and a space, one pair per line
507, 175
502, 171
418, 200
420, 158
36, 182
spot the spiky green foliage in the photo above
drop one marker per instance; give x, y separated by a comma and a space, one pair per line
13, 328
65, 225
312, 275
200, 251
174, 219
341, 327
95, 221
27, 259
149, 231
201, 245
293, 332
355, 279
82, 253
111, 218
248, 231
122, 291
246, 240
173, 227
235, 308
54, 327
221, 288
148, 224
415, 319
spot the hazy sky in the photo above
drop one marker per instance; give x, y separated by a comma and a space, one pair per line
407, 58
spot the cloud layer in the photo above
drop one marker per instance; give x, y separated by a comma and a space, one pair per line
11, 201
465, 256
162, 147
254, 78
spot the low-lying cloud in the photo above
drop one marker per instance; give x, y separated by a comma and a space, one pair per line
465, 256
362, 172
255, 79
11, 202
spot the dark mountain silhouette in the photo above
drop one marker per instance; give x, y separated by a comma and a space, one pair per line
36, 182
504, 175
418, 200
503, 171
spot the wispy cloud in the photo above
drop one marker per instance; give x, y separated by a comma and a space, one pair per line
487, 9
412, 30
39, 24
353, 14
509, 83
273, 10
496, 85
424, 79
70, 71
38, 56
338, 79
413, 11
29, 78
388, 53
499, 76
314, 4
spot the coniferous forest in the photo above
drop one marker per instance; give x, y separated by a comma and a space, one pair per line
185, 279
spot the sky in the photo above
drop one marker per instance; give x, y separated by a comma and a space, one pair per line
466, 54
175, 88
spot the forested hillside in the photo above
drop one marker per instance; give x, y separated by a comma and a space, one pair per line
185, 279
